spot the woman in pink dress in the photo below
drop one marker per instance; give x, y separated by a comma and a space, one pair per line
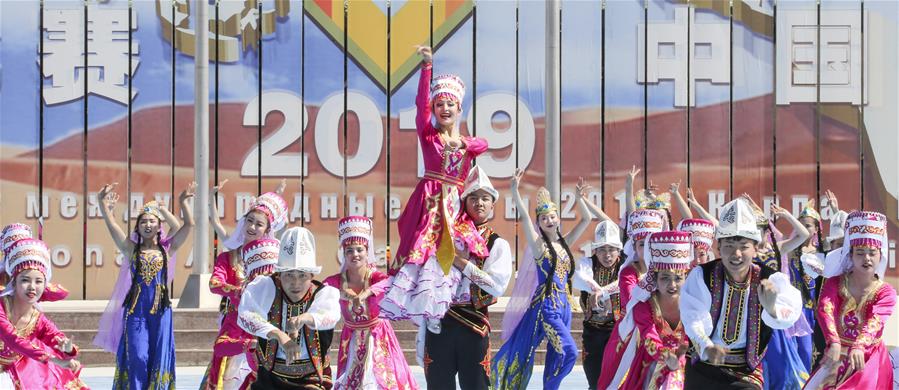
432, 227
658, 342
34, 353
853, 307
252, 252
370, 357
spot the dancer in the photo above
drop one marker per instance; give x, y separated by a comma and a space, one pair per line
659, 343
34, 353
293, 317
137, 323
729, 307
233, 363
540, 305
370, 357
597, 278
703, 236
11, 233
432, 226
463, 345
855, 304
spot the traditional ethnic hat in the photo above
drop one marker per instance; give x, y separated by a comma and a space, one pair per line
151, 208
606, 233
12, 233
447, 86
297, 251
643, 222
836, 226
274, 207
652, 202
356, 230
863, 229
808, 211
260, 256
671, 250
29, 253
738, 220
703, 232
545, 204
478, 180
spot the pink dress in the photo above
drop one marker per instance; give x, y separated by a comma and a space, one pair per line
648, 370
25, 355
855, 325
232, 343
615, 348
370, 357
433, 225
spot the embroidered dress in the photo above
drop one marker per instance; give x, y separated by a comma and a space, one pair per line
370, 357
433, 224
653, 337
855, 325
549, 316
618, 344
146, 353
232, 358
25, 354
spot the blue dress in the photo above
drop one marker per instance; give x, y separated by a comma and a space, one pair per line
787, 360
146, 355
548, 316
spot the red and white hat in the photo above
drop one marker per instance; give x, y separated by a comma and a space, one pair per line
274, 207
447, 86
703, 232
29, 253
260, 257
863, 228
671, 250
12, 233
356, 230
643, 222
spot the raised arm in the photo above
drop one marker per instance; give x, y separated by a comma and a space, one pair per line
629, 190
695, 205
108, 198
800, 233
180, 236
595, 210
586, 217
214, 212
527, 224
682, 206
423, 99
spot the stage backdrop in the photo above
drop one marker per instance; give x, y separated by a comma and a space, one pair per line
780, 102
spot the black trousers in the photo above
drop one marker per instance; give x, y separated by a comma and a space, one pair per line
266, 380
595, 340
703, 376
457, 350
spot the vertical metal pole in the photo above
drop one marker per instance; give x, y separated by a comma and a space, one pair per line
201, 140
553, 144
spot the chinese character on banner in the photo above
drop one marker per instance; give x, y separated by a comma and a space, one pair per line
840, 53
107, 58
709, 53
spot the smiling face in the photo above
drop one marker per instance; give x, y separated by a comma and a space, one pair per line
446, 112
737, 254
479, 206
255, 225
549, 223
355, 256
29, 286
147, 226
865, 260
669, 282
811, 224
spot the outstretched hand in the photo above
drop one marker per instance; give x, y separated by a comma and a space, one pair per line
426, 53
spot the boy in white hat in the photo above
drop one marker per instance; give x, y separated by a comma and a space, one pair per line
730, 306
597, 278
460, 343
293, 316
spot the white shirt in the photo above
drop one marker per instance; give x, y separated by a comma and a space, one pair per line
696, 311
257, 299
493, 278
583, 280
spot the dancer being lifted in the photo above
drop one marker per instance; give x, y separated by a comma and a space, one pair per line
433, 226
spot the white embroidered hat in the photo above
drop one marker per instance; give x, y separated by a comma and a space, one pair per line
297, 251
606, 233
478, 180
260, 256
738, 220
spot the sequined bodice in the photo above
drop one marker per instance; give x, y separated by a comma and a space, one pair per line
563, 267
148, 265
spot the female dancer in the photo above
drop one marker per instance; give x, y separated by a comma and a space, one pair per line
34, 353
370, 357
854, 305
540, 305
139, 313
659, 343
233, 361
432, 225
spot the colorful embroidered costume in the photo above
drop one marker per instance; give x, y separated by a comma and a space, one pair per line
433, 224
